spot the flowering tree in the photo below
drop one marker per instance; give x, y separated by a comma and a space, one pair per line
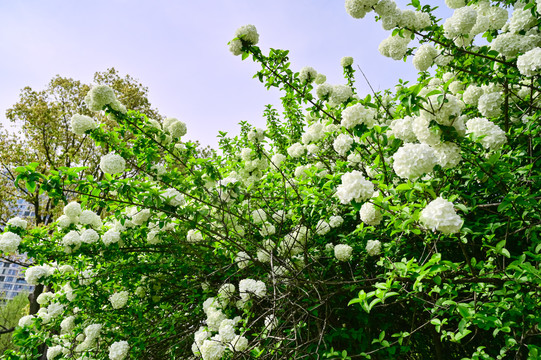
401, 224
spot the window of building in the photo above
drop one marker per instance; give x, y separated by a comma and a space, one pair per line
8, 286
9, 279
6, 264
12, 272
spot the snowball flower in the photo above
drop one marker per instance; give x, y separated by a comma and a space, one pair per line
259, 216
354, 186
402, 129
212, 350
461, 23
112, 164
110, 237
413, 160
194, 236
394, 47
322, 227
296, 150
174, 197
100, 96
54, 351
73, 210
18, 222
9, 242
118, 300
175, 127
67, 325
81, 124
424, 57
529, 64
440, 215
89, 236
250, 287
343, 252
357, 114
490, 104
335, 221
118, 350
26, 320
342, 144
447, 154
370, 214
33, 275
373, 247
346, 61
277, 160
324, 91
242, 259
493, 136
247, 34
140, 217
307, 74
340, 94
239, 343
72, 239
472, 94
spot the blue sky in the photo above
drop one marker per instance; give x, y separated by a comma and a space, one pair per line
178, 49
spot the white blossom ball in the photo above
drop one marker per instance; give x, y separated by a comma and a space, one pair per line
89, 236
73, 210
18, 222
413, 160
112, 163
277, 160
239, 343
54, 351
33, 275
346, 61
402, 129
447, 154
174, 197
493, 136
248, 34
212, 350
89, 217
119, 350
521, 19
455, 4
259, 216
342, 144
26, 320
9, 242
242, 259
100, 96
424, 57
119, 299
249, 288
343, 252
354, 187
67, 325
472, 94
394, 47
110, 237
140, 217
307, 74
235, 46
320, 79
370, 214
340, 94
65, 221
72, 239
175, 127
335, 221
82, 123
440, 215
322, 227
373, 247
296, 150
324, 91
529, 64
194, 236
357, 114
490, 104
356, 8
461, 23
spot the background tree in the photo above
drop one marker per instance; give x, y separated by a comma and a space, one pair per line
10, 313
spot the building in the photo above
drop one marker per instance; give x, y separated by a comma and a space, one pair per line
11, 273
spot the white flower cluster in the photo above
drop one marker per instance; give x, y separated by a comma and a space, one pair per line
359, 8
174, 197
18, 222
82, 123
340, 94
91, 334
424, 57
174, 127
358, 114
529, 64
401, 129
307, 74
447, 154
373, 247
370, 214
443, 113
324, 91
249, 288
313, 133
461, 23
9, 242
119, 299
296, 150
322, 227
246, 34
440, 215
112, 163
472, 94
102, 95
492, 136
354, 187
111, 236
119, 350
489, 104
346, 61
336, 221
343, 252
413, 160
394, 47
36, 274
342, 144
194, 236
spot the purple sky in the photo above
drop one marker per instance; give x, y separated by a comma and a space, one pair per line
178, 49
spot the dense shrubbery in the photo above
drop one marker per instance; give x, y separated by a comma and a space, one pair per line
401, 224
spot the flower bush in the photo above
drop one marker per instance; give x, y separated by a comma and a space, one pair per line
433, 207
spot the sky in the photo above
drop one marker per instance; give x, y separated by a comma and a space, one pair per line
178, 49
